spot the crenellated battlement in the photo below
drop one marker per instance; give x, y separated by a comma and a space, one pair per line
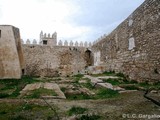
100, 38
51, 40
47, 39
60, 43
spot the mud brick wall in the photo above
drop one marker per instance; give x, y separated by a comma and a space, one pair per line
134, 46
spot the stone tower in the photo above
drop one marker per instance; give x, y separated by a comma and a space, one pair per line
11, 54
48, 39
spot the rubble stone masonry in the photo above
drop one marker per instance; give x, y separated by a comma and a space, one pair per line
54, 60
133, 48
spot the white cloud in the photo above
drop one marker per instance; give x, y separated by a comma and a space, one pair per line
32, 16
79, 20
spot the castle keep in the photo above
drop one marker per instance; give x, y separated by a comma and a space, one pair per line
133, 48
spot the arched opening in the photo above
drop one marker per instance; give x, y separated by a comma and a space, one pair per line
88, 58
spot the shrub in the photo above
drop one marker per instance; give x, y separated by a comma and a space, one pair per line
131, 87
109, 73
39, 92
89, 117
88, 85
112, 81
106, 93
120, 75
3, 95
78, 75
76, 110
81, 96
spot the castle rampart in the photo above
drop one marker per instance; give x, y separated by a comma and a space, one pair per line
133, 47
54, 60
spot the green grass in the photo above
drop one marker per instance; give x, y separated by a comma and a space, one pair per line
124, 80
76, 110
23, 111
41, 92
88, 85
109, 73
81, 96
120, 75
77, 77
89, 117
150, 86
4, 95
63, 89
56, 79
112, 81
106, 73
103, 93
14, 85
131, 87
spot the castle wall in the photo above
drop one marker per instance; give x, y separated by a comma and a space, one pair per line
134, 46
54, 60
11, 56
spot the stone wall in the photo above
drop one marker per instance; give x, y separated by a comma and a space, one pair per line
11, 55
54, 60
134, 46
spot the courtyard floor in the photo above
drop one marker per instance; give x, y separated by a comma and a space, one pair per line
81, 97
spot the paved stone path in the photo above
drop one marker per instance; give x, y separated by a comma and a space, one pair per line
32, 86
55, 87
107, 77
99, 82
51, 86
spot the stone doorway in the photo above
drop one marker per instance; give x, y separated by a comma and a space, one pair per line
88, 58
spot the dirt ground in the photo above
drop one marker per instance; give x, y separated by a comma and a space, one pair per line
122, 108
123, 105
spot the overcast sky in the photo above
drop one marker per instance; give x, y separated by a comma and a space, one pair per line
76, 20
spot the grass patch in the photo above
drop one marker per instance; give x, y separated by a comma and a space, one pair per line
89, 117
125, 81
130, 87
41, 92
15, 85
77, 77
88, 85
112, 81
76, 110
4, 95
109, 73
120, 75
45, 79
145, 84
81, 96
150, 86
63, 89
106, 73
22, 110
103, 93
156, 85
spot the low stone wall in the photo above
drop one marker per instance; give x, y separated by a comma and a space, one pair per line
134, 46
